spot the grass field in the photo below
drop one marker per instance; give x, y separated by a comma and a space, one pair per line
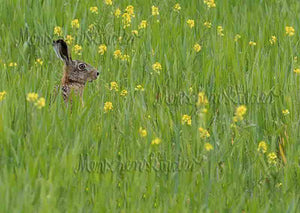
196, 108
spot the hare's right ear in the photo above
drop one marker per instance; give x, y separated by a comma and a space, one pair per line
61, 50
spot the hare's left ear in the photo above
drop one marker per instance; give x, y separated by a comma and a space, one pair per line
61, 50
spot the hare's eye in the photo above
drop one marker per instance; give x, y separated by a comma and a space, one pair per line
81, 66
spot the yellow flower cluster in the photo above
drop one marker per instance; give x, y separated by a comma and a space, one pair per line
155, 11
77, 49
130, 10
203, 133
139, 88
39, 61
156, 141
290, 31
273, 40
237, 37
262, 147
117, 12
157, 67
177, 7
57, 31
186, 119
124, 93
114, 86
208, 147
202, 99
2, 95
118, 55
12, 64
252, 43
220, 31
126, 20
94, 10
297, 70
191, 23
69, 39
285, 112
239, 113
143, 24
272, 158
210, 3
108, 2
197, 47
207, 24
75, 23
143, 132
102, 49
108, 106
38, 102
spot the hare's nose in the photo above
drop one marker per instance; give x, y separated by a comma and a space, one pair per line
97, 73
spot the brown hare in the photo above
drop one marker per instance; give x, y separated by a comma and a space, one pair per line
76, 73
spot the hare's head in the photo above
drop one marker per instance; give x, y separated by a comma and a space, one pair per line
75, 71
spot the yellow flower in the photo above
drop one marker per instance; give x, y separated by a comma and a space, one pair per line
125, 57
94, 10
75, 23
252, 43
130, 10
32, 97
220, 31
108, 107
202, 99
143, 24
210, 3
191, 23
108, 2
12, 64
197, 47
290, 31
285, 112
114, 86
203, 133
77, 49
237, 37
262, 147
117, 54
297, 70
135, 32
272, 158
57, 31
91, 27
139, 88
239, 113
155, 11
102, 49
177, 7
207, 24
126, 20
143, 132
69, 39
2, 95
273, 40
156, 141
117, 12
186, 119
124, 92
39, 61
40, 103
208, 147
157, 67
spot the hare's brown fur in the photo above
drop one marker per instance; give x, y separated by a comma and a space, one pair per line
76, 73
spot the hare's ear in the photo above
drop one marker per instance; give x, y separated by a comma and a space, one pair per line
61, 50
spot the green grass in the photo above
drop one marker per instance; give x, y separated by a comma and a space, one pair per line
40, 149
